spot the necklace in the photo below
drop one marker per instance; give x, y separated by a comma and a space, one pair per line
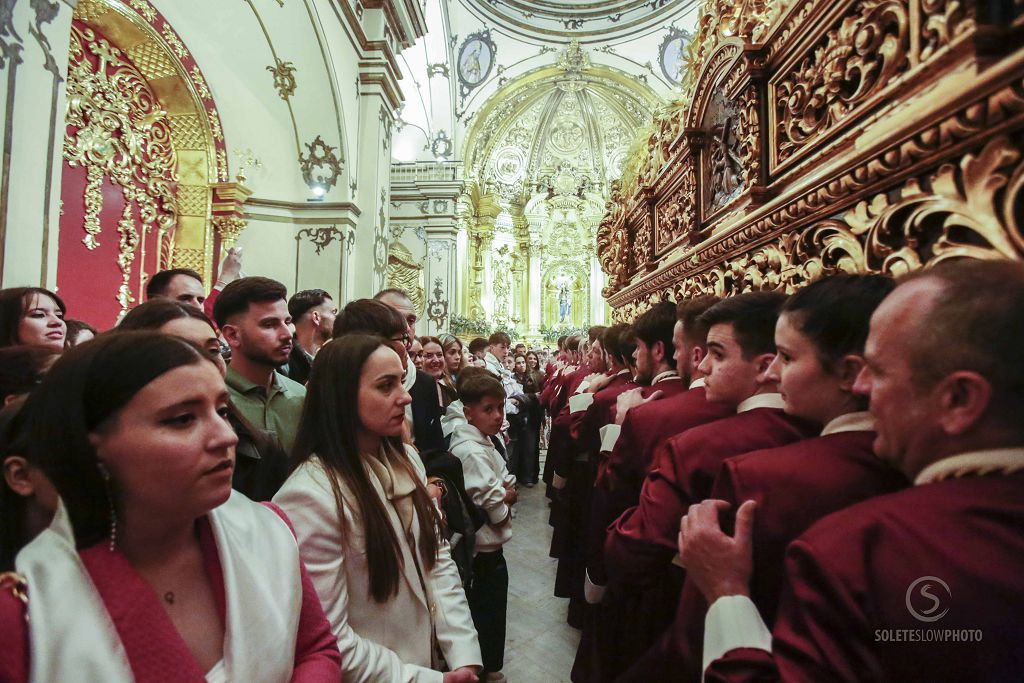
169, 597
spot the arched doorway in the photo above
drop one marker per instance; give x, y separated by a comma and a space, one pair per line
143, 145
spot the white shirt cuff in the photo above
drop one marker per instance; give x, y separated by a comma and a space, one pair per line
609, 436
733, 622
592, 592
580, 402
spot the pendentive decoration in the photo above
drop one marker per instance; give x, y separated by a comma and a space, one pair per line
475, 61
117, 130
321, 157
437, 308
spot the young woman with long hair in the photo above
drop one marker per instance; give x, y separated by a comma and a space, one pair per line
261, 463
367, 528
32, 316
152, 569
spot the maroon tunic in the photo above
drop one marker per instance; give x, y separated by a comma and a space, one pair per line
642, 542
573, 501
643, 583
794, 486
155, 650
844, 614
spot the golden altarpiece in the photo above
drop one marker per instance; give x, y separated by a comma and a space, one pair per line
814, 137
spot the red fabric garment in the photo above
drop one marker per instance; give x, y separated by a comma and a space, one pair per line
642, 542
208, 304
794, 486
585, 425
14, 653
848, 577
624, 471
155, 650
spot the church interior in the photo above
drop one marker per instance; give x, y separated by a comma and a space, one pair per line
537, 168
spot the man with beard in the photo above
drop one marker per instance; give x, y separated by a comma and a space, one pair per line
252, 314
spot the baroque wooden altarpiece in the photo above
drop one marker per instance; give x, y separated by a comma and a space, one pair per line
813, 137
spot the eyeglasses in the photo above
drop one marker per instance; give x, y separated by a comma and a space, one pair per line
404, 338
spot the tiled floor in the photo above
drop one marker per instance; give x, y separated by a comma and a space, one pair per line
539, 646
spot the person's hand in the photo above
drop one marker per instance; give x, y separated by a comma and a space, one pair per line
718, 564
511, 496
628, 400
466, 674
598, 383
231, 269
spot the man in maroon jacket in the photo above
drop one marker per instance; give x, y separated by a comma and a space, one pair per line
641, 544
924, 584
820, 338
667, 414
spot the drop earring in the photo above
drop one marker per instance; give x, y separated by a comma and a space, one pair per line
105, 473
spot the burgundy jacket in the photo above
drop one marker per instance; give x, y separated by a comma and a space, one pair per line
794, 486
642, 542
844, 613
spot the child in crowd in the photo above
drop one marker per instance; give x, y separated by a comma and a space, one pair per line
492, 489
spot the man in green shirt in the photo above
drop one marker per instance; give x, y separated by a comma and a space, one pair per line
252, 314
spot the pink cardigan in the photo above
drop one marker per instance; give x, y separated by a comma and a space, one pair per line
155, 651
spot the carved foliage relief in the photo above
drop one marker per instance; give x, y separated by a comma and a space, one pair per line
117, 131
853, 60
897, 125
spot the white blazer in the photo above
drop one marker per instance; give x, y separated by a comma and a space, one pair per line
378, 642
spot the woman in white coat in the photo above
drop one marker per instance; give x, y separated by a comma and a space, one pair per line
368, 529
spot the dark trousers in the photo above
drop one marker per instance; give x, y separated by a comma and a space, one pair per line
488, 603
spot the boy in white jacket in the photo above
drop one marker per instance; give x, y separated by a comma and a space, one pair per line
492, 489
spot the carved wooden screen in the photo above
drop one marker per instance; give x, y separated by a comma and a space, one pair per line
814, 137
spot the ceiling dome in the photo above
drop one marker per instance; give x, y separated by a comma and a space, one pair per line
576, 117
593, 21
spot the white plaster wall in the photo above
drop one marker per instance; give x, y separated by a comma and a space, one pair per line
29, 257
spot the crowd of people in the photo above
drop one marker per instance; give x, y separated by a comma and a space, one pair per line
825, 486
387, 467
243, 485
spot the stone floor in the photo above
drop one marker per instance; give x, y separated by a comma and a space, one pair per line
539, 646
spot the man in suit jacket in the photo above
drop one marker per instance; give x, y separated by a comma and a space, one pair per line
920, 585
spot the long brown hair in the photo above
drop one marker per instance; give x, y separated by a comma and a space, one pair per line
327, 431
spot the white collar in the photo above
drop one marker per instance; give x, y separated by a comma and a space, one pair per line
623, 371
662, 376
1002, 460
850, 422
761, 401
699, 382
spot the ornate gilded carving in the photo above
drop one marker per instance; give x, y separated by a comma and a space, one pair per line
284, 78
858, 57
943, 21
724, 171
189, 258
200, 83
403, 272
321, 237
321, 157
229, 228
748, 137
117, 130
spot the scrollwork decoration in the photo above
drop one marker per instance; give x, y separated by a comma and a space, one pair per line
853, 61
320, 157
284, 78
116, 129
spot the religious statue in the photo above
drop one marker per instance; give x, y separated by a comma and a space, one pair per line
564, 304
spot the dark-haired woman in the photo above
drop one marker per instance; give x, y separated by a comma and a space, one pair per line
820, 338
435, 364
78, 332
367, 528
32, 316
261, 463
152, 569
